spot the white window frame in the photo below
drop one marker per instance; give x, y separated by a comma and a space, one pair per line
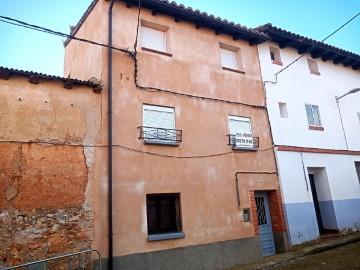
160, 32
312, 123
230, 58
167, 139
283, 110
240, 140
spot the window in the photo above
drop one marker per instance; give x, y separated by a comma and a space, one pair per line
358, 116
357, 166
240, 133
154, 38
275, 56
313, 115
283, 110
159, 125
313, 67
163, 216
230, 58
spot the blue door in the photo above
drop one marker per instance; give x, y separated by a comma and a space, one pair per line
264, 222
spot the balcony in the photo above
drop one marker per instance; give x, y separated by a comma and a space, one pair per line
244, 143
162, 136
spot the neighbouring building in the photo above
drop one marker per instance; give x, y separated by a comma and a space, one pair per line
193, 181
316, 130
48, 129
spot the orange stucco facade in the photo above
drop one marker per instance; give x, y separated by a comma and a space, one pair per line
202, 167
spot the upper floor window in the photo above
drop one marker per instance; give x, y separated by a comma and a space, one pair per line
163, 216
155, 38
159, 126
313, 116
241, 136
230, 58
313, 67
275, 56
283, 110
357, 167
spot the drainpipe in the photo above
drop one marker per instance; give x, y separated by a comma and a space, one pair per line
110, 165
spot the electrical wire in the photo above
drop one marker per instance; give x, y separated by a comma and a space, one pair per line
154, 89
132, 55
308, 50
52, 143
57, 33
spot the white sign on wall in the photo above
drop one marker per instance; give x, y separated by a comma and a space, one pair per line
244, 140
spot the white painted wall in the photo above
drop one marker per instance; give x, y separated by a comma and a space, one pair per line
336, 180
296, 86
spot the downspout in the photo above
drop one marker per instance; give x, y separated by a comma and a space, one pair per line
110, 156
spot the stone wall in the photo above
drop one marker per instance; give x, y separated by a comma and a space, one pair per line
30, 235
42, 197
46, 171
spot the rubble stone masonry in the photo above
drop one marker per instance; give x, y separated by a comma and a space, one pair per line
42, 202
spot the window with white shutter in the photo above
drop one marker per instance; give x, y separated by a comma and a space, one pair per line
159, 124
153, 39
240, 132
230, 58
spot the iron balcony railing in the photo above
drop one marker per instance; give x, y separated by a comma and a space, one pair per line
250, 143
154, 135
82, 260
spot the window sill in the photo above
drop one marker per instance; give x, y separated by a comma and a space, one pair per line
160, 142
156, 51
277, 62
316, 128
315, 73
165, 236
244, 148
233, 70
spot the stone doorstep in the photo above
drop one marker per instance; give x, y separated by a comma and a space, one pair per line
278, 259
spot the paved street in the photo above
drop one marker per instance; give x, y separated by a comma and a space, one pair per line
340, 253
345, 257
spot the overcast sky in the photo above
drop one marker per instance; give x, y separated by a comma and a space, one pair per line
31, 50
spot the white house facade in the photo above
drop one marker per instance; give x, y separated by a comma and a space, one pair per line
316, 135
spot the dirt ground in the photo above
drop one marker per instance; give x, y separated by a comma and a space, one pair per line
345, 257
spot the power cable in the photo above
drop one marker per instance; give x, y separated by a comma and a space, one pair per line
57, 33
308, 50
132, 149
132, 55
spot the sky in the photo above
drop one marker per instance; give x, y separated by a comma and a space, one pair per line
27, 49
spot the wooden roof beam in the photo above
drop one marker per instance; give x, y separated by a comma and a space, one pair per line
285, 43
356, 67
305, 49
328, 56
349, 63
317, 53
340, 60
